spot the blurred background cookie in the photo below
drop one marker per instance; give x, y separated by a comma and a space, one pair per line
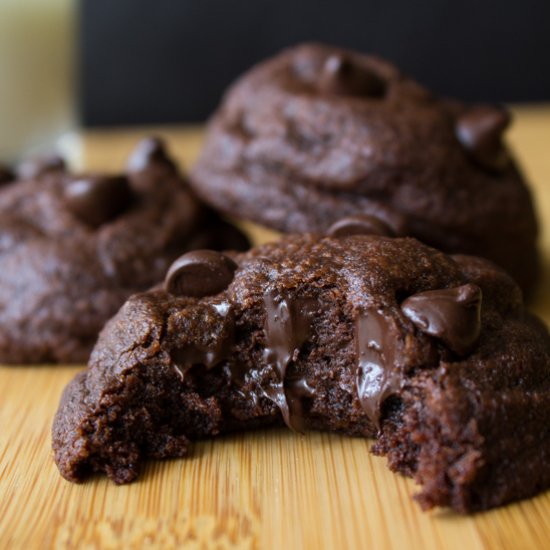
73, 247
318, 133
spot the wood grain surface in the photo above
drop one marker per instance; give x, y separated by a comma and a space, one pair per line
267, 489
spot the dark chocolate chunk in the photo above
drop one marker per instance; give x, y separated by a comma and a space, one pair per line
148, 151
480, 132
340, 76
451, 314
376, 344
360, 225
38, 166
98, 199
287, 327
200, 273
298, 392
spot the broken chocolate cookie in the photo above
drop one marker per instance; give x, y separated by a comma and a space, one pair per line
432, 355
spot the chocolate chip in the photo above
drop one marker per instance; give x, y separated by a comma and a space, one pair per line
6, 175
38, 166
362, 224
200, 273
480, 132
147, 152
451, 314
98, 199
340, 76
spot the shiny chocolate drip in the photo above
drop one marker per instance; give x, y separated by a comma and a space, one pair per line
376, 374
296, 390
360, 224
287, 327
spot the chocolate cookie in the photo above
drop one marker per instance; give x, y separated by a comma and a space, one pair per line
73, 248
319, 133
365, 335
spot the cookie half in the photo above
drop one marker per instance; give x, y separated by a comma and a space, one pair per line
432, 355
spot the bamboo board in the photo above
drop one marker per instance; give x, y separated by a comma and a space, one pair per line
267, 489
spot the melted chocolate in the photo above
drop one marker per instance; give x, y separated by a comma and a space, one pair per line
376, 374
452, 315
287, 327
296, 391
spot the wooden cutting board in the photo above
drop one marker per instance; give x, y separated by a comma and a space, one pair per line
267, 489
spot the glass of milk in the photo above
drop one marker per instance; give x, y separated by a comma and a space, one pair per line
36, 75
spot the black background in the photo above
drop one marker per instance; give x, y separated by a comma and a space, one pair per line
164, 61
